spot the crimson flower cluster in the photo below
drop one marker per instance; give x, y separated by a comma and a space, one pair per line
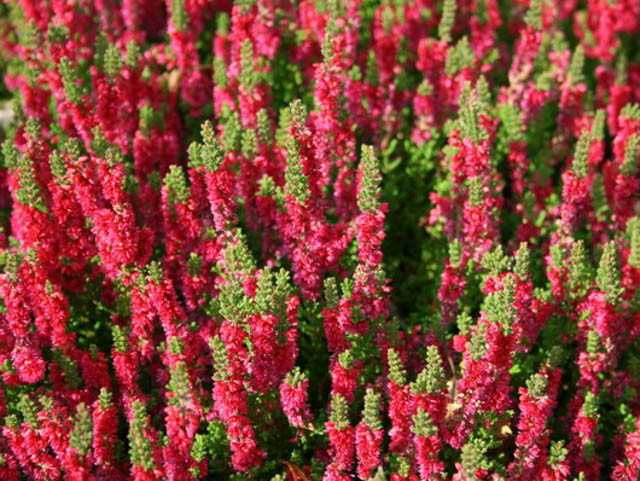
319, 240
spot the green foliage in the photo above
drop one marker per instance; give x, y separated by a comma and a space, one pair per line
478, 343
576, 67
105, 399
511, 118
219, 72
339, 414
470, 108
629, 165
459, 57
371, 412
631, 111
29, 192
523, 261
633, 229
580, 164
28, 409
431, 378
397, 373
179, 14
422, 424
580, 271
112, 61
70, 79
533, 18
176, 184
296, 182
608, 276
557, 453
447, 20
232, 133
369, 193
220, 360
82, 434
537, 385
140, 448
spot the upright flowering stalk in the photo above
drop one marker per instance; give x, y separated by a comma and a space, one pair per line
121, 243
341, 440
469, 213
572, 90
230, 405
630, 273
488, 354
576, 185
334, 140
432, 57
472, 165
585, 436
70, 92
184, 26
126, 360
427, 446
145, 455
337, 316
210, 160
26, 179
368, 298
304, 211
182, 226
369, 435
370, 284
628, 469
253, 97
452, 283
517, 155
400, 406
274, 330
430, 400
79, 457
182, 418
345, 373
105, 426
28, 444
232, 356
223, 95
294, 398
315, 245
478, 223
163, 304
522, 90
155, 147
253, 41
50, 308
379, 85
599, 332
75, 236
530, 312
484, 22
116, 96
536, 404
620, 173
22, 345
446, 68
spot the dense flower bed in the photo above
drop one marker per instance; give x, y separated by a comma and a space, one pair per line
320, 240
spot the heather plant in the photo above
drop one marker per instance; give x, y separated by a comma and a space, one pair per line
319, 240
